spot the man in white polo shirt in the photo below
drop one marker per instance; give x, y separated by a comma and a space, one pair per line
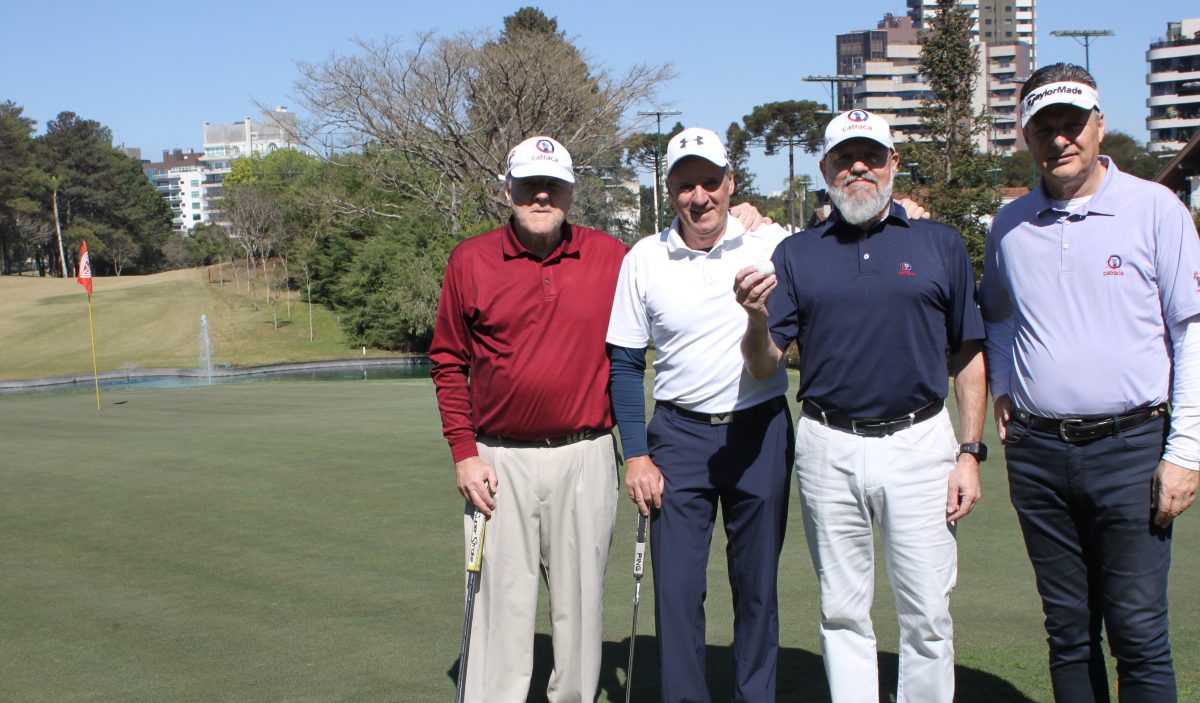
717, 436
1091, 296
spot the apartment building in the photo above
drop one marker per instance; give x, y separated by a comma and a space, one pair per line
994, 21
1174, 80
177, 179
886, 58
225, 143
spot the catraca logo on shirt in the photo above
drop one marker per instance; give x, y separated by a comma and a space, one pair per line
906, 269
1114, 266
1196, 278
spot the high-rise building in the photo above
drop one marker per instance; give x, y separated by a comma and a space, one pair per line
993, 21
887, 60
1174, 80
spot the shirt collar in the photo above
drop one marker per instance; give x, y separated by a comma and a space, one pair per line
512, 247
1101, 203
897, 215
734, 237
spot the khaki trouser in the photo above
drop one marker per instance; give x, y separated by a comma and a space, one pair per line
555, 512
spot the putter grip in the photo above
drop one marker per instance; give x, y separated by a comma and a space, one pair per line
639, 548
475, 549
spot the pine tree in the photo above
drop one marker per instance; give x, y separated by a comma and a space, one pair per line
963, 183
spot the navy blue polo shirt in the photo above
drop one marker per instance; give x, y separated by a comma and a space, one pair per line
874, 313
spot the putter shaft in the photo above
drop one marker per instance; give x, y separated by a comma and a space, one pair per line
474, 566
639, 566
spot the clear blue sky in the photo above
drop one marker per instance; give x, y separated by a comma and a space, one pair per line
154, 72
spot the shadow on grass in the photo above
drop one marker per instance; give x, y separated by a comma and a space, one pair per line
801, 675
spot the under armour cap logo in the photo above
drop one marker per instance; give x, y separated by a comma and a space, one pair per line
683, 142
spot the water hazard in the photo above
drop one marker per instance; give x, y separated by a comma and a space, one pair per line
357, 370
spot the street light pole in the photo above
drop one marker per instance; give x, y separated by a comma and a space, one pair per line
1086, 35
658, 183
832, 81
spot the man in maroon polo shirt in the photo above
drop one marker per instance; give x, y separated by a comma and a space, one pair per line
521, 374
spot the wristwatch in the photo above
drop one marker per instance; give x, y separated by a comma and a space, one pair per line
975, 449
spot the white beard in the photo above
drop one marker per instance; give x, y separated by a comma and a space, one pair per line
859, 208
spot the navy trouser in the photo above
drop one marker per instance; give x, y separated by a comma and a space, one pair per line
1098, 557
746, 466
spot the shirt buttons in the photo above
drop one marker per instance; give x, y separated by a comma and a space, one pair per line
1066, 245
866, 256
546, 281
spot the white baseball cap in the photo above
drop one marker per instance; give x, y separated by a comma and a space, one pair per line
1080, 95
696, 141
857, 124
540, 156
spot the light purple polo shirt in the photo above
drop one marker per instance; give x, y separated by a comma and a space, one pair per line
1078, 307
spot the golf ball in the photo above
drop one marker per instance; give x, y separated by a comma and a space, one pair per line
766, 268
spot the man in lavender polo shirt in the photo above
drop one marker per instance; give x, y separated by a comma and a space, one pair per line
1091, 296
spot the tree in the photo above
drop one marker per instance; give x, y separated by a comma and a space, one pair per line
253, 214
645, 152
790, 124
961, 189
1130, 155
22, 187
99, 191
1018, 169
435, 121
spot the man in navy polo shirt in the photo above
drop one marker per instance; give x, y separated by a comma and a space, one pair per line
1091, 297
883, 310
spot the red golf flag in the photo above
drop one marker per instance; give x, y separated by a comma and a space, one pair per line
85, 270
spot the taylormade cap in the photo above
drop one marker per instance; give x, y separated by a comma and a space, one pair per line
540, 156
857, 124
1079, 95
696, 141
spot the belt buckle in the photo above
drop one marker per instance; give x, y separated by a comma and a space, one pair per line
720, 418
1063, 428
1086, 429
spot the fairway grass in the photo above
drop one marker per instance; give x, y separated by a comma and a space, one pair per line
302, 541
154, 322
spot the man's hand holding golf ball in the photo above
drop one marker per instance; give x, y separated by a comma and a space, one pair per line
752, 285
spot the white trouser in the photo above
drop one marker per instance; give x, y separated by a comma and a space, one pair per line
554, 516
900, 482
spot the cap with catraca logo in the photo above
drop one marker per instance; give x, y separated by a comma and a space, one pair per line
857, 124
540, 156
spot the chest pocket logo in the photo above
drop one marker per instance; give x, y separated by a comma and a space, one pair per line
906, 269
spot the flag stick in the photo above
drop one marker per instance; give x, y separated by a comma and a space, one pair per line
92, 332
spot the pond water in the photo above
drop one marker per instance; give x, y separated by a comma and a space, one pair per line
370, 370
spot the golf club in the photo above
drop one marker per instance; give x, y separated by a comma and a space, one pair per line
639, 564
474, 565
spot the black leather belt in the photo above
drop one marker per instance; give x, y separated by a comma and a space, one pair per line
1084, 429
770, 407
871, 427
560, 441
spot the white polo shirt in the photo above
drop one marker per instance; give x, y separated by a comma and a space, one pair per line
682, 300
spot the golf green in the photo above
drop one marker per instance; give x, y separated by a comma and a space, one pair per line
302, 541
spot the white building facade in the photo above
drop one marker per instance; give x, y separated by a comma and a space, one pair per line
1174, 80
